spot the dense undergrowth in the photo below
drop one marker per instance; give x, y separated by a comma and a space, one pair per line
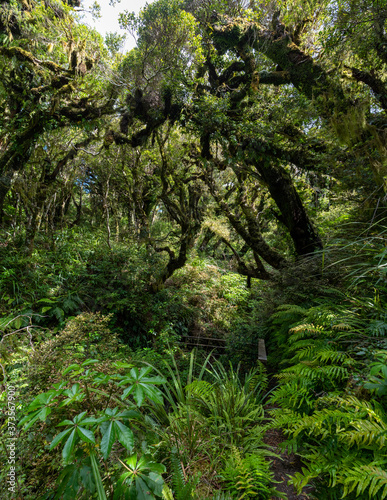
331, 351
111, 403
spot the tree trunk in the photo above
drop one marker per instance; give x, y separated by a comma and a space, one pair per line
293, 214
5, 186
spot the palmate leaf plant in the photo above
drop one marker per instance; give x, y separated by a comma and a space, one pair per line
141, 480
98, 422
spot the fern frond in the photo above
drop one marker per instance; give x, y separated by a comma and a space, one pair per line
307, 329
362, 409
199, 388
302, 479
342, 327
183, 488
366, 433
220, 495
377, 328
249, 476
310, 370
294, 395
290, 308
178, 480
327, 354
167, 493
371, 477
308, 345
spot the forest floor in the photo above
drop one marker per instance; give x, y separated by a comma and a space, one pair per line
285, 467
287, 464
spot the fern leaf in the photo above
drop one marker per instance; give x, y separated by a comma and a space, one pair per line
167, 493
364, 477
200, 388
306, 329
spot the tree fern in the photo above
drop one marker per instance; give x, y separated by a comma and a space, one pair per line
288, 311
305, 329
323, 466
329, 350
378, 328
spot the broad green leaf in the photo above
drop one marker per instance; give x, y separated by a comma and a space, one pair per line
155, 483
91, 420
69, 446
153, 394
59, 438
111, 411
44, 413
153, 380
132, 461
157, 467
142, 490
130, 414
75, 388
87, 478
127, 391
71, 368
124, 435
102, 379
119, 364
143, 462
90, 362
31, 419
42, 400
86, 435
139, 395
66, 422
27, 418
78, 418
59, 385
108, 440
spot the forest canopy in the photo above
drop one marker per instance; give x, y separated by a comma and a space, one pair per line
216, 115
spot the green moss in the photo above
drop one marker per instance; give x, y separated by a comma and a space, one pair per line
228, 36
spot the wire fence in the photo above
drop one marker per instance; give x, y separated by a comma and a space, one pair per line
211, 343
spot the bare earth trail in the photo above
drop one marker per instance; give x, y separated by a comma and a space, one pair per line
287, 465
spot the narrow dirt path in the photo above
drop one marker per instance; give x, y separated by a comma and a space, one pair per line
285, 467
288, 464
